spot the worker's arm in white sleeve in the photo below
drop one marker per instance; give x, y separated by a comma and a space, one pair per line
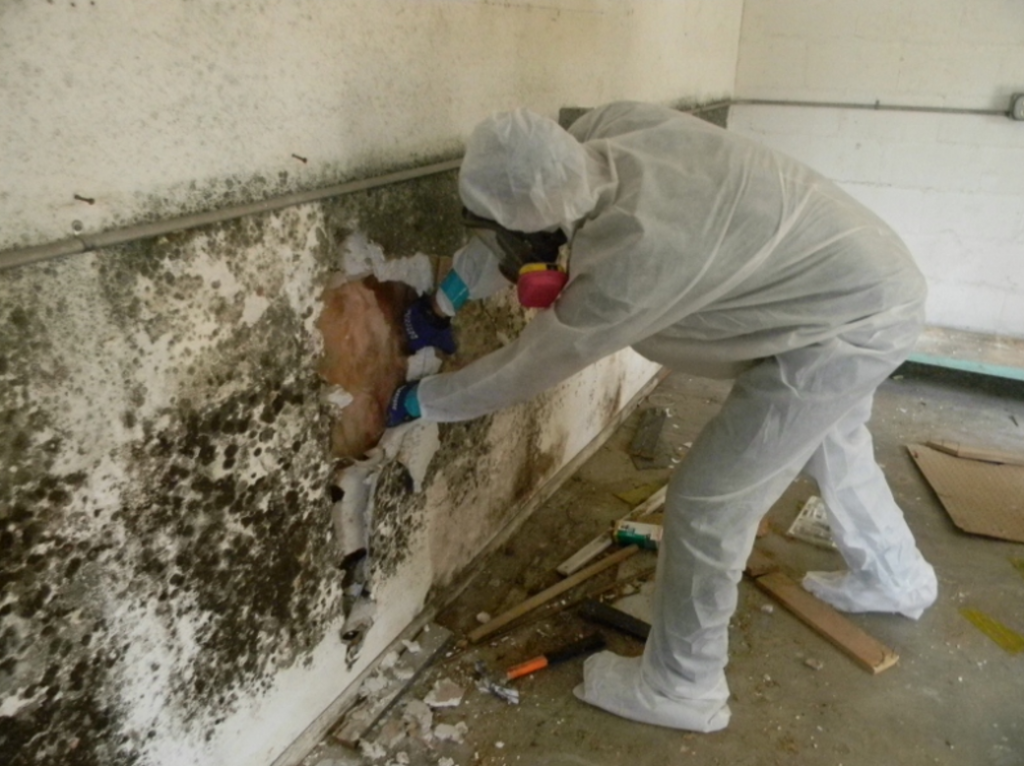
546, 352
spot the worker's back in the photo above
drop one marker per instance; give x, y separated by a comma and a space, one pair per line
715, 238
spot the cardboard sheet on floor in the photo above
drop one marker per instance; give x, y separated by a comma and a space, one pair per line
982, 498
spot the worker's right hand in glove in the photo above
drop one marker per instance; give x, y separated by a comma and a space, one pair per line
424, 327
404, 405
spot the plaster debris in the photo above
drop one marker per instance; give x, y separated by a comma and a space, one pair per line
362, 258
446, 693
392, 732
446, 761
483, 618
372, 750
337, 397
412, 647
445, 732
814, 664
421, 718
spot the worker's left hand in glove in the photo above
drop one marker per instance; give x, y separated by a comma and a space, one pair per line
404, 405
424, 327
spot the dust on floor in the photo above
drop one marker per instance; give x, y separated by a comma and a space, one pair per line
955, 696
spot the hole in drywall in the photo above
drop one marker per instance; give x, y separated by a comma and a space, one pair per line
364, 355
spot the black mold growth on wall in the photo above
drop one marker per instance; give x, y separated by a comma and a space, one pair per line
164, 522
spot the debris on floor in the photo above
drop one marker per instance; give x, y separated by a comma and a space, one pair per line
647, 449
586, 645
862, 648
551, 593
489, 683
446, 693
654, 502
393, 675
981, 497
811, 524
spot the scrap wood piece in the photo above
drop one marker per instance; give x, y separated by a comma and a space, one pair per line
958, 449
550, 593
981, 498
1008, 640
862, 648
360, 718
604, 541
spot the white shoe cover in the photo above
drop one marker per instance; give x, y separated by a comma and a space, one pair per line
615, 684
849, 592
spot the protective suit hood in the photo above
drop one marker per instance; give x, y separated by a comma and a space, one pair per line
527, 173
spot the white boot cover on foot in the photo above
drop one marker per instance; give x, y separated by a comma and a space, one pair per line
850, 592
615, 684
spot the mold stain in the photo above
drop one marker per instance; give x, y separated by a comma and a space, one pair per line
165, 556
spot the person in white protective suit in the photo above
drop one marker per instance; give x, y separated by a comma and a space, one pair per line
710, 254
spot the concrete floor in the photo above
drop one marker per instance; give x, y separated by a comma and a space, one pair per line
955, 697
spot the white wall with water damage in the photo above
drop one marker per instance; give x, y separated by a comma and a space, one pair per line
171, 590
947, 181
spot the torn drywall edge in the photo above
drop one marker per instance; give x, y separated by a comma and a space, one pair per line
362, 258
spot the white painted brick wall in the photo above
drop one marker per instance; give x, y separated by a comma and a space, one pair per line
952, 185
926, 52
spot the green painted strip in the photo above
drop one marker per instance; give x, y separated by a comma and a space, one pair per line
996, 370
1007, 639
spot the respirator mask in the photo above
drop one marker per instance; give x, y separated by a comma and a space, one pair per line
529, 260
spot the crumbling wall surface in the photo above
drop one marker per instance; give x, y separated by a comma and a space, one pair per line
171, 590
162, 444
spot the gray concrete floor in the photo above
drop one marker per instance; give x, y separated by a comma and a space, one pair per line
955, 697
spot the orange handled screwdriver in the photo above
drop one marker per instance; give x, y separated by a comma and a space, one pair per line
590, 643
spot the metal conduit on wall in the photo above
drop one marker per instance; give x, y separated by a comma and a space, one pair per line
88, 242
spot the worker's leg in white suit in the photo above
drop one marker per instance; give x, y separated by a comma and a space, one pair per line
775, 418
886, 570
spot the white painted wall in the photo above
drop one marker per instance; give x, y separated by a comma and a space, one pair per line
154, 108
948, 183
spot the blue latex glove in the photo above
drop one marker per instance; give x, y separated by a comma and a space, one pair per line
424, 328
404, 405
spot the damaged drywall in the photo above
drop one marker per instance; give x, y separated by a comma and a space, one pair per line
176, 588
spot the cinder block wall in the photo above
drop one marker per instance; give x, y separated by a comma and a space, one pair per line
170, 585
947, 182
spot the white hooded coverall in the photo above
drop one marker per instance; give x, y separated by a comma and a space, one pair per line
708, 253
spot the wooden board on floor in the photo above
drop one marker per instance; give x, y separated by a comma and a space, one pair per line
863, 649
982, 498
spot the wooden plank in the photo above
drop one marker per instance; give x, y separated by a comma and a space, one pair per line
603, 542
760, 564
863, 649
976, 453
364, 714
547, 595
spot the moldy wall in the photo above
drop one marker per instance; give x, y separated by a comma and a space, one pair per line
171, 584
171, 591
